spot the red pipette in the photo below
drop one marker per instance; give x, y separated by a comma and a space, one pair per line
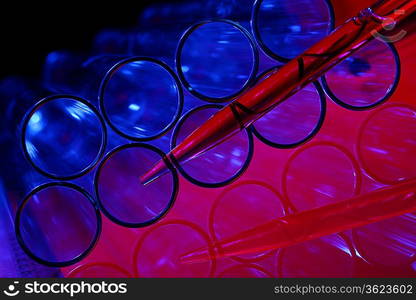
375, 206
341, 43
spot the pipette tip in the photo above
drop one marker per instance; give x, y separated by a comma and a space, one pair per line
195, 256
154, 173
145, 180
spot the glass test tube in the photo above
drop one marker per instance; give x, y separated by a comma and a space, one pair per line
366, 79
161, 25
243, 206
286, 28
122, 197
139, 97
13, 261
164, 16
58, 224
63, 136
386, 143
216, 60
172, 19
158, 250
72, 223
386, 147
294, 121
336, 176
220, 165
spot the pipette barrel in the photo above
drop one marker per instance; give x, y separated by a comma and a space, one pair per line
252, 105
365, 209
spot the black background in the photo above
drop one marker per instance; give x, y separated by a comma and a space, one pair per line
29, 31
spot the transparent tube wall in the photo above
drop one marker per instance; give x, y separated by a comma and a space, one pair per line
120, 193
216, 60
63, 137
285, 29
220, 165
56, 223
366, 79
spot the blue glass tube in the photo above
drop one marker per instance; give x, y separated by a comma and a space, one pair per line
285, 28
63, 137
294, 121
16, 179
13, 261
57, 224
220, 165
161, 25
42, 228
216, 60
121, 195
366, 79
139, 97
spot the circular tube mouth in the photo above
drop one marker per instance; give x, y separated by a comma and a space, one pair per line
58, 224
63, 137
295, 121
388, 132
141, 98
219, 166
366, 79
120, 194
304, 189
216, 60
245, 205
289, 33
158, 250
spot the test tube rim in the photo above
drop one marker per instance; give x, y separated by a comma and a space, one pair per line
106, 80
380, 101
359, 143
178, 60
214, 206
354, 163
44, 186
256, 32
175, 185
191, 225
312, 134
173, 143
39, 104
